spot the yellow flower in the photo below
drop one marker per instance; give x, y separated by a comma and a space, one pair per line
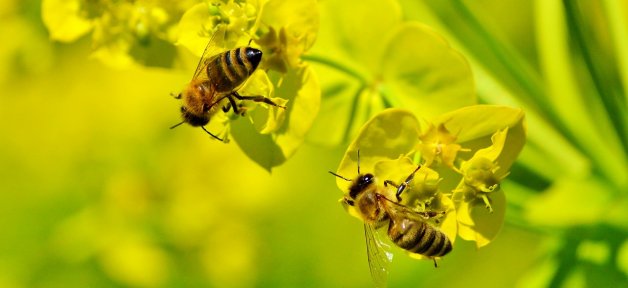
480, 173
288, 29
389, 141
479, 201
438, 144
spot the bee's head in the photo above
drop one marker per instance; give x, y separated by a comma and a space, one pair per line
361, 183
254, 56
358, 185
194, 119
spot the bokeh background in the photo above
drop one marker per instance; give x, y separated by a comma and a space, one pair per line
96, 191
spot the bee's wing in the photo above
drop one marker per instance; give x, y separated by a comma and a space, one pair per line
214, 46
377, 256
400, 210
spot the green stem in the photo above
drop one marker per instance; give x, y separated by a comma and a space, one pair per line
612, 102
510, 61
336, 65
523, 74
618, 25
516, 67
388, 99
352, 113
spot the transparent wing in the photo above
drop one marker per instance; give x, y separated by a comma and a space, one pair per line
378, 257
400, 210
214, 46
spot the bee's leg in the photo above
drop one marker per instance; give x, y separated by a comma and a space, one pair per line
391, 183
257, 99
226, 107
403, 185
427, 215
236, 108
435, 264
210, 133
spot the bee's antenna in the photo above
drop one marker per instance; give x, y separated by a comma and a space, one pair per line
358, 161
175, 125
343, 178
210, 133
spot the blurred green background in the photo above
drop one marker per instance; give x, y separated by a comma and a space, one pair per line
96, 191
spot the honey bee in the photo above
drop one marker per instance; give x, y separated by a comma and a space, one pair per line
217, 77
407, 228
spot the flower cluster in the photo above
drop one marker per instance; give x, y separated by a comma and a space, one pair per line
148, 32
464, 155
123, 32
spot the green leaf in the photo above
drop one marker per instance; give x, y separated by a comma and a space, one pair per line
63, 19
342, 22
423, 73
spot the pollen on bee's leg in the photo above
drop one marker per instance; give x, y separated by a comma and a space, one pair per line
488, 203
242, 109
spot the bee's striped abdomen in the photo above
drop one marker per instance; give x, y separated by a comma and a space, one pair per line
419, 237
231, 68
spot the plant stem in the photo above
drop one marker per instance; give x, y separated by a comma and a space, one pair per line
612, 103
336, 65
352, 113
512, 62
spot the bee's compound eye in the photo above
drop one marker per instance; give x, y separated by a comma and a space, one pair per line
367, 179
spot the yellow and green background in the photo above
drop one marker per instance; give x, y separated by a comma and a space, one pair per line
96, 191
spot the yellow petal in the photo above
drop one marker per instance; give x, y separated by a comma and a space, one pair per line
476, 223
300, 88
388, 135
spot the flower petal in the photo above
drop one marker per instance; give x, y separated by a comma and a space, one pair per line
271, 150
424, 73
388, 135
476, 223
